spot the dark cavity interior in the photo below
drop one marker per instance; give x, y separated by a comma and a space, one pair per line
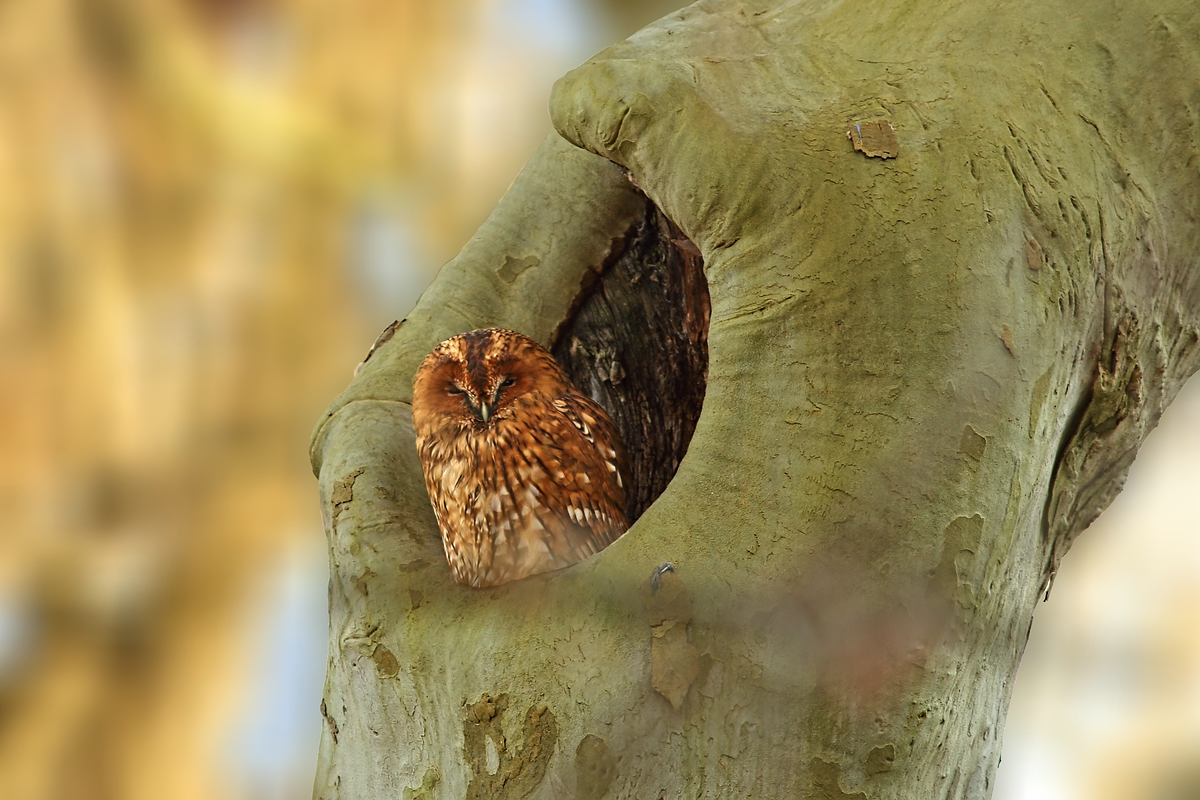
637, 343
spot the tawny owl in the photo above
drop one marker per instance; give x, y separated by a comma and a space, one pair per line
525, 473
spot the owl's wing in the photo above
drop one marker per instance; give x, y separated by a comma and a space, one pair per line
582, 485
597, 428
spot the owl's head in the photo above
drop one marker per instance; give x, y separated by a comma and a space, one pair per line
473, 378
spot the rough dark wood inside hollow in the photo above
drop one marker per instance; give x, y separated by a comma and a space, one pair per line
638, 344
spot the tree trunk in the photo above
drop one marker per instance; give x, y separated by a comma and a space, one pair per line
929, 364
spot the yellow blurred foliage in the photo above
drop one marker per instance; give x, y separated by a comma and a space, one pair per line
207, 210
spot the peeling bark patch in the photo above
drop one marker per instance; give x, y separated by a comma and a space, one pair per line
1034, 257
513, 267
514, 773
972, 444
953, 574
385, 661
824, 783
1006, 338
595, 768
875, 138
881, 759
425, 791
343, 493
1041, 388
492, 756
674, 663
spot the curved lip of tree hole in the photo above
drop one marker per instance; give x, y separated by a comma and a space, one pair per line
636, 341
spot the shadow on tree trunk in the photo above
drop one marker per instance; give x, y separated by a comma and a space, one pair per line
637, 343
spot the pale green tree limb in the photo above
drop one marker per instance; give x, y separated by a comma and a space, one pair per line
927, 374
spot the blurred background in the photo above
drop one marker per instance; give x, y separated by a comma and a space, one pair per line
1107, 702
208, 210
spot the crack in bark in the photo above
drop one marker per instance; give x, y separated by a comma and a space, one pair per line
1101, 444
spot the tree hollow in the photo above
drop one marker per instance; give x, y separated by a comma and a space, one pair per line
637, 343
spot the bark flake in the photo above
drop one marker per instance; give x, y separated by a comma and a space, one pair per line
516, 772
674, 662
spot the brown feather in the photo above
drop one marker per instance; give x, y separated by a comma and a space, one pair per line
525, 473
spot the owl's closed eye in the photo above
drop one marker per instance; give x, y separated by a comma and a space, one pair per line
525, 473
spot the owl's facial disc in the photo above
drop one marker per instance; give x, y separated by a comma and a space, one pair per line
479, 400
461, 391
479, 375
505, 382
487, 410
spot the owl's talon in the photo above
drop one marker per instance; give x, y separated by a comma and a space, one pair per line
656, 578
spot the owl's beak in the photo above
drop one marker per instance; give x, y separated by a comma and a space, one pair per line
485, 411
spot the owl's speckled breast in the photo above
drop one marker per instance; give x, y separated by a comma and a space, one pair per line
524, 473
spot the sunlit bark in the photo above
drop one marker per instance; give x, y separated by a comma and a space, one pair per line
927, 374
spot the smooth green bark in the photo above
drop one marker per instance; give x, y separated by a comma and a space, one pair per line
927, 374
